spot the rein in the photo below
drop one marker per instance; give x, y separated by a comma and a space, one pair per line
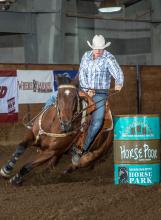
76, 115
112, 90
54, 135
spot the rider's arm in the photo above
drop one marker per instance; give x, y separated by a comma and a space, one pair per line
83, 80
50, 101
116, 72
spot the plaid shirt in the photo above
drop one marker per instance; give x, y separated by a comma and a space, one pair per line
96, 74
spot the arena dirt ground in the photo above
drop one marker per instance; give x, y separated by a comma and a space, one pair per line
84, 194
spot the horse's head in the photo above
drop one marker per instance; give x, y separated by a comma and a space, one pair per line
67, 105
67, 101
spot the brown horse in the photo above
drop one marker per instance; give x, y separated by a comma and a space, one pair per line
54, 132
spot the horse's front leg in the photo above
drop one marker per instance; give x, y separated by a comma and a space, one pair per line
10, 164
7, 168
39, 159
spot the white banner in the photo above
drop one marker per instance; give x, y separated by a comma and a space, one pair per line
34, 86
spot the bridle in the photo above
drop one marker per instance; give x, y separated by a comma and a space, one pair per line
56, 106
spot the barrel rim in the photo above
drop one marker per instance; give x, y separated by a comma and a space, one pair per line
136, 140
123, 162
136, 115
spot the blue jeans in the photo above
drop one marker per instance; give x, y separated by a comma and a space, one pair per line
96, 120
50, 101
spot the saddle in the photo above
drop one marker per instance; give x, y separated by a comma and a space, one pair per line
91, 104
107, 122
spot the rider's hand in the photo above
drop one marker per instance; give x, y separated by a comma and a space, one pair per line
118, 88
91, 92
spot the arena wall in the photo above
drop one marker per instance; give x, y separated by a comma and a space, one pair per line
141, 93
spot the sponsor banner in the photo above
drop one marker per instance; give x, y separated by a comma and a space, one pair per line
8, 97
70, 73
137, 127
137, 151
34, 86
141, 174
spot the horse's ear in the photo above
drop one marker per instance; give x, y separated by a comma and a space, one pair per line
64, 79
75, 81
67, 78
58, 78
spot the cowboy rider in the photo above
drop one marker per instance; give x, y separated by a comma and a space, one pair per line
96, 68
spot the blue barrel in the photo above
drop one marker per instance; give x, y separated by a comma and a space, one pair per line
137, 149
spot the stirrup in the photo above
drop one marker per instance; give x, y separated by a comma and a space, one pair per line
76, 157
76, 150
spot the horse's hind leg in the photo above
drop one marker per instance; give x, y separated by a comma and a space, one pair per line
10, 164
40, 159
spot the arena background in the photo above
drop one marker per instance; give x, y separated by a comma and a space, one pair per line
52, 35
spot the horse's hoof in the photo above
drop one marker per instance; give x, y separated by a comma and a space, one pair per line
4, 173
68, 170
65, 171
16, 180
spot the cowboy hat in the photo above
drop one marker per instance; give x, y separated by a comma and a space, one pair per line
98, 42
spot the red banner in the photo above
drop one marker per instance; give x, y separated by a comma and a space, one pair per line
8, 96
